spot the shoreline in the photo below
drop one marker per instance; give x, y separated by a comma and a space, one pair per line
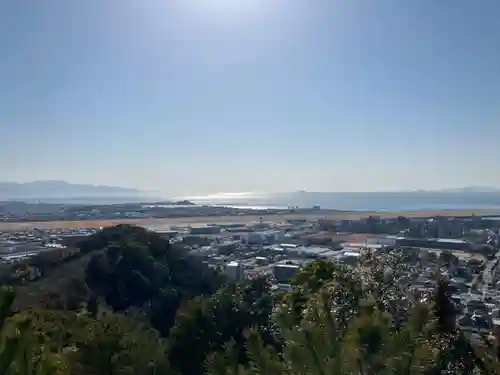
165, 223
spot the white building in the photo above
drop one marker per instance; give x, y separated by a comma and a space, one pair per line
351, 256
235, 271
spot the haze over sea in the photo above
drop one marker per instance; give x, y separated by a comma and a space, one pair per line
359, 201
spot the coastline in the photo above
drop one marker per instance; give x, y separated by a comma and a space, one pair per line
165, 223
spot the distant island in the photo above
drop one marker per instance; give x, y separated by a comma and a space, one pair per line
170, 203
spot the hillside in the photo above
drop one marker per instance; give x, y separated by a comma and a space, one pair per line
54, 282
90, 265
130, 303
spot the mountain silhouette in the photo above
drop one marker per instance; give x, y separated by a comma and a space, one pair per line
61, 189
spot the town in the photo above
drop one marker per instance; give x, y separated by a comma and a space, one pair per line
465, 250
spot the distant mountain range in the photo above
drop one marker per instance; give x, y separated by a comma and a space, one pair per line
470, 189
62, 189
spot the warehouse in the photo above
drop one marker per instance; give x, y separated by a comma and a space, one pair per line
435, 243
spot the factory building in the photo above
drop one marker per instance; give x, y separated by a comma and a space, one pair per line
364, 246
383, 240
435, 243
265, 238
330, 254
307, 251
213, 229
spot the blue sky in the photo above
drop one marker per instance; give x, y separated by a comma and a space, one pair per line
196, 97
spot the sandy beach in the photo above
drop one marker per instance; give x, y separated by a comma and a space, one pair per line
159, 224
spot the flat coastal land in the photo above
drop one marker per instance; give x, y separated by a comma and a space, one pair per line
165, 224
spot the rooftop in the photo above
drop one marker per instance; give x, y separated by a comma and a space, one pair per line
288, 245
284, 265
449, 240
311, 249
330, 254
352, 254
363, 245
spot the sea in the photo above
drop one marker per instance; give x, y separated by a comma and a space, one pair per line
354, 201
348, 201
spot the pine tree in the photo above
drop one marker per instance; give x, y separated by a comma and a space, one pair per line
444, 308
9, 335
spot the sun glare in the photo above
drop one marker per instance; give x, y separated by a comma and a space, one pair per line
225, 8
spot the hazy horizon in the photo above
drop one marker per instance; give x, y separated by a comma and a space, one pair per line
61, 189
190, 98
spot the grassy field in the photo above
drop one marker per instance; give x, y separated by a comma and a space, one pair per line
166, 223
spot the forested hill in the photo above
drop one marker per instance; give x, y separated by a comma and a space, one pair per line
141, 306
123, 266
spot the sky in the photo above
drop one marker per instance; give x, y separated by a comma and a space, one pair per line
194, 97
